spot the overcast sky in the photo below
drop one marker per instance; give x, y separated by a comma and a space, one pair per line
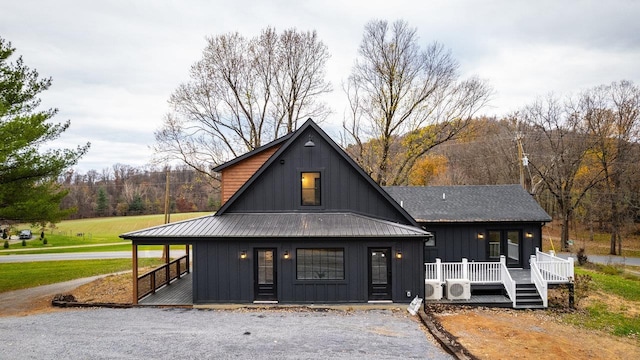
115, 63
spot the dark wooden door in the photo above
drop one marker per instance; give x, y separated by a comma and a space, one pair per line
379, 273
266, 288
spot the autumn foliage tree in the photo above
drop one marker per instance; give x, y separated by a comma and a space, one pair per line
612, 115
404, 100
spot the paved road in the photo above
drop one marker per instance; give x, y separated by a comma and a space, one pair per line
13, 258
216, 334
606, 259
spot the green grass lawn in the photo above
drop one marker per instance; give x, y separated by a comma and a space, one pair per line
123, 247
95, 231
25, 275
614, 318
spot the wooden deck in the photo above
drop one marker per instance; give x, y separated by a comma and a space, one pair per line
520, 276
179, 292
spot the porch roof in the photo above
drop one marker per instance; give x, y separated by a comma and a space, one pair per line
472, 203
281, 225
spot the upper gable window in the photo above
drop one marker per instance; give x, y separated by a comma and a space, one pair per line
310, 189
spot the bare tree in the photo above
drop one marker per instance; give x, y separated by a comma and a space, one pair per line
242, 94
612, 114
404, 101
563, 145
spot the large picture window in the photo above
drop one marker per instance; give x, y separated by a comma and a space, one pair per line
310, 189
320, 264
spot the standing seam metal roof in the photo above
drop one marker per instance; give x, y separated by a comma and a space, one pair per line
282, 225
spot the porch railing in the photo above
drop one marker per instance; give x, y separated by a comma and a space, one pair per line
162, 275
554, 269
475, 272
541, 284
507, 281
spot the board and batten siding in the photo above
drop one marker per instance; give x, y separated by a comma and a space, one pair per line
343, 188
236, 175
220, 276
455, 241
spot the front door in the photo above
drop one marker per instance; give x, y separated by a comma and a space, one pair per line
379, 273
507, 243
265, 275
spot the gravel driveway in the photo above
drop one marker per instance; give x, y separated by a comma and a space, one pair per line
214, 334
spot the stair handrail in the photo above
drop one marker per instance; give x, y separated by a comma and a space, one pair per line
541, 284
507, 280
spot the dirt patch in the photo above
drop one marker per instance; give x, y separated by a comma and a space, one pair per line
111, 289
512, 334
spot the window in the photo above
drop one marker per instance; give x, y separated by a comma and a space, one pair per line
431, 240
320, 264
310, 189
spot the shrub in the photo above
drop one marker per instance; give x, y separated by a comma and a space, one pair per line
6, 244
582, 287
582, 256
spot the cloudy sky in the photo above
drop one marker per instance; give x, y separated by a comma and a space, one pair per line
115, 63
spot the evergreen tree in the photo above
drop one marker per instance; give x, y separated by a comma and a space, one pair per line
102, 203
28, 191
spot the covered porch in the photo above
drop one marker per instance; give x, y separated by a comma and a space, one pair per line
167, 284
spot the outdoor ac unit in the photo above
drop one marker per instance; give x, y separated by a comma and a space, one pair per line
458, 289
432, 290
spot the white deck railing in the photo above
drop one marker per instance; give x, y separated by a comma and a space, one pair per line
507, 280
537, 278
552, 268
545, 269
475, 272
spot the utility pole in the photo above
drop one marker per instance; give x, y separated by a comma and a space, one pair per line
167, 215
523, 161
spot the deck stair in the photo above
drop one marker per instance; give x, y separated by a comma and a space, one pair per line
527, 297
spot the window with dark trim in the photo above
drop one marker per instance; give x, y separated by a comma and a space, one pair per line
430, 241
310, 193
320, 264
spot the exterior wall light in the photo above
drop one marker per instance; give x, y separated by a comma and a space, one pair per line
243, 254
398, 254
309, 143
286, 255
480, 236
528, 235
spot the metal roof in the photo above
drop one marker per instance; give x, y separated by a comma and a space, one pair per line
474, 203
280, 225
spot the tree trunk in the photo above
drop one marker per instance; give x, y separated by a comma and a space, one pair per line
564, 235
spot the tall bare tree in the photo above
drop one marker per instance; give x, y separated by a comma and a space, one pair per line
612, 114
242, 94
404, 100
562, 145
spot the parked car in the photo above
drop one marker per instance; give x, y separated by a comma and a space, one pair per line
25, 234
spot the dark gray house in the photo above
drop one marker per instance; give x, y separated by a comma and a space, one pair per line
479, 223
301, 222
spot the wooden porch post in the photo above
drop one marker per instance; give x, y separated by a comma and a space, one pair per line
166, 261
188, 258
134, 256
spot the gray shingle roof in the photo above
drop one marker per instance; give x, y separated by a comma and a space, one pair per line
287, 225
479, 203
